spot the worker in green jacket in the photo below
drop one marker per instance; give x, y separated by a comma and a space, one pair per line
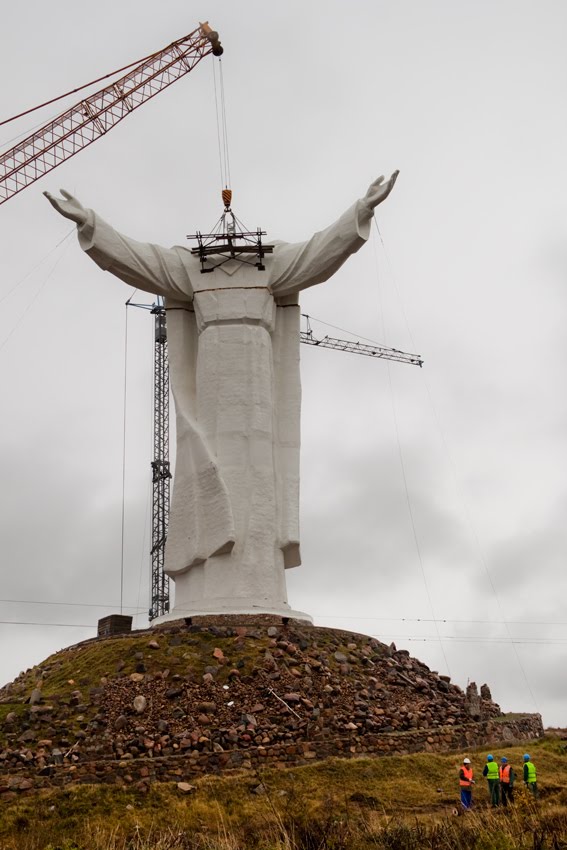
493, 776
530, 780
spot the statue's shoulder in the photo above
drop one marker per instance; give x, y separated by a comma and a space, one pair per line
186, 257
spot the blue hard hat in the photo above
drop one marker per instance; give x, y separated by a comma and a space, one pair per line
526, 756
489, 757
504, 758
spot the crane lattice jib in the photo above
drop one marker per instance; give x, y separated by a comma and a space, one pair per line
94, 116
361, 348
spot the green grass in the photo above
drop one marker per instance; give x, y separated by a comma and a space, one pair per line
8, 707
401, 802
83, 667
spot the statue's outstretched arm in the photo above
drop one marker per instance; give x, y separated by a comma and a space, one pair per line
154, 269
303, 264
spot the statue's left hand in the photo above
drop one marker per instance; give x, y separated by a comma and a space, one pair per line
379, 190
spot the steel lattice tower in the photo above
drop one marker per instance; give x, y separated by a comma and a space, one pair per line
161, 475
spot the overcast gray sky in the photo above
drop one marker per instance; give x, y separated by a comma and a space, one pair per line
433, 500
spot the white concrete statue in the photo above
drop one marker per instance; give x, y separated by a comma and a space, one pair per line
233, 339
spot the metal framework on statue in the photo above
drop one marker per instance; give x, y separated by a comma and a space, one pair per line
161, 474
230, 241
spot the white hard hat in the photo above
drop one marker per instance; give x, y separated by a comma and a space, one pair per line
466, 761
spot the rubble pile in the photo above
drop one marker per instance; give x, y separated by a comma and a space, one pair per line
191, 690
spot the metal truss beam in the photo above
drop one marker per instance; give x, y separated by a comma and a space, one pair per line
377, 351
91, 118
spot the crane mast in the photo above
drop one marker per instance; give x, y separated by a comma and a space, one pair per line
161, 474
94, 116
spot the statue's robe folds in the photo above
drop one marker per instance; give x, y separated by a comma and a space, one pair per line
233, 339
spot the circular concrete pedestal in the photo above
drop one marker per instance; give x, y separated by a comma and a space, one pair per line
242, 614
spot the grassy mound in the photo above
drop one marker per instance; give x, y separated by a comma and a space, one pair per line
325, 679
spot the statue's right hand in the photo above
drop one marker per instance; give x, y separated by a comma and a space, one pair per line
68, 206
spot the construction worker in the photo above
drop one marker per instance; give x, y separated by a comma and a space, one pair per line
507, 777
530, 775
493, 776
466, 782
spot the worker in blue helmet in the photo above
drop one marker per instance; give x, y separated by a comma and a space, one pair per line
530, 779
493, 776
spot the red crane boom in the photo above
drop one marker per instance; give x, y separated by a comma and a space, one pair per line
94, 116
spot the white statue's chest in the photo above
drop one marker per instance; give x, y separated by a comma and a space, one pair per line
237, 293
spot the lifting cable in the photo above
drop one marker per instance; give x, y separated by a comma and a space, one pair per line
222, 130
464, 505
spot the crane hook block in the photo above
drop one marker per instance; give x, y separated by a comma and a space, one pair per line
213, 37
227, 197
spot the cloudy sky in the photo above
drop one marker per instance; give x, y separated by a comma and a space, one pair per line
433, 500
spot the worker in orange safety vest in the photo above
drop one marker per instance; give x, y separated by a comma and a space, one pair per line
466, 782
507, 777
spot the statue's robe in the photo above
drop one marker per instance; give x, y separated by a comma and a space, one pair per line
233, 339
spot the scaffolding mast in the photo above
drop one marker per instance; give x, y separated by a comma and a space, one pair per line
161, 474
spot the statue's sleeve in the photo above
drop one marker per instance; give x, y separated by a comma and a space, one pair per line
152, 268
296, 266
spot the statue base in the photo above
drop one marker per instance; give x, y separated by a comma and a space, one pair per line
233, 610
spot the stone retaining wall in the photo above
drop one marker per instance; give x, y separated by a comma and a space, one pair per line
141, 772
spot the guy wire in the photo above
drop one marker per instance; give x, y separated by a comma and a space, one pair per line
464, 504
403, 469
124, 455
